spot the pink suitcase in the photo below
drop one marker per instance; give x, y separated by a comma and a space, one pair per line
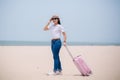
80, 64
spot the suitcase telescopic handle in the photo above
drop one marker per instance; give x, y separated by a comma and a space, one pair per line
69, 52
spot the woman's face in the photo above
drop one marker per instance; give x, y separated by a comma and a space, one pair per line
55, 20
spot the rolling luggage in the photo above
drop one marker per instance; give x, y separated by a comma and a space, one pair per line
80, 64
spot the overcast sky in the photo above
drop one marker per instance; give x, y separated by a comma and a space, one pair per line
84, 20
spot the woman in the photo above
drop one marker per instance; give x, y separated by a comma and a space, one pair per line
56, 30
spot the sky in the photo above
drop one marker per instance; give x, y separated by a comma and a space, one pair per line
88, 21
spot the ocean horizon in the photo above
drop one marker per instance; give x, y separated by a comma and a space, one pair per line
46, 43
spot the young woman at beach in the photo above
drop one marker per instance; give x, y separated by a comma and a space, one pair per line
56, 30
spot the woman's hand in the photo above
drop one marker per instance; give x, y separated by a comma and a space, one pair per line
46, 27
64, 43
50, 20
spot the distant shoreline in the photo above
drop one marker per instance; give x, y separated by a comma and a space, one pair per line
43, 43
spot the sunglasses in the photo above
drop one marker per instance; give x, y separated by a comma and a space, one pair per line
54, 18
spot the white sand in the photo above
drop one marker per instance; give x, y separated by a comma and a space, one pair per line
33, 62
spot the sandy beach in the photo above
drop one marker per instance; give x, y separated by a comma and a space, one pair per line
33, 63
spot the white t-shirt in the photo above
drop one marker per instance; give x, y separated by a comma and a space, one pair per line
56, 30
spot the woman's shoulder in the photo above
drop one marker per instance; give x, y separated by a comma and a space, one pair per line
59, 25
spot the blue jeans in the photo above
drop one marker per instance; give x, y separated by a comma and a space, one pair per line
55, 46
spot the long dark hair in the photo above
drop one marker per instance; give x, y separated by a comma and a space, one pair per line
59, 21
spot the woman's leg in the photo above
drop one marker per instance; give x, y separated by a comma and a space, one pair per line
56, 45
